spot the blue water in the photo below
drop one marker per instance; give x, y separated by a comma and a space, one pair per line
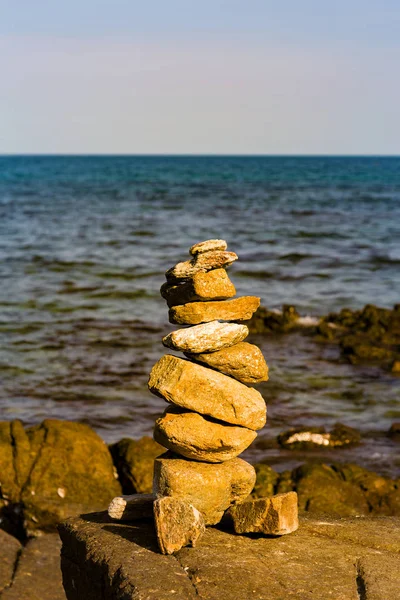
85, 241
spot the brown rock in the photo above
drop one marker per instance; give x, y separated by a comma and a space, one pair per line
213, 285
208, 392
207, 246
134, 460
277, 515
242, 361
211, 488
193, 313
177, 523
132, 508
198, 438
206, 261
208, 337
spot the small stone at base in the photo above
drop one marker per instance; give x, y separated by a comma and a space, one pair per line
131, 508
177, 524
277, 515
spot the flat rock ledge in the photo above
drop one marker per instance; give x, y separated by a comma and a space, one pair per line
343, 559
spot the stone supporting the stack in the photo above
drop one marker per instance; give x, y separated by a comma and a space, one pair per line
213, 415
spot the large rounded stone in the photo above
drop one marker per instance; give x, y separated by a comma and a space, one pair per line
207, 392
193, 313
245, 362
193, 436
211, 488
213, 285
208, 337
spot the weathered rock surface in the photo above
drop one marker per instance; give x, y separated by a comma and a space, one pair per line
245, 362
52, 471
205, 261
208, 337
134, 460
345, 559
301, 438
132, 507
208, 246
37, 574
211, 488
193, 313
277, 515
177, 524
198, 438
207, 392
213, 285
10, 549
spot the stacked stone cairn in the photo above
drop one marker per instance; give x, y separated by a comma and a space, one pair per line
213, 414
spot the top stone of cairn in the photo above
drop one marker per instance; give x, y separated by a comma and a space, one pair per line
207, 246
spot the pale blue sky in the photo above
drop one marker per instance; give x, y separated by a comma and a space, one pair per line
201, 77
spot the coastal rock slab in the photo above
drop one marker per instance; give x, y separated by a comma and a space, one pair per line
271, 516
195, 437
207, 392
177, 523
132, 507
245, 362
206, 261
193, 313
207, 246
208, 337
213, 285
211, 488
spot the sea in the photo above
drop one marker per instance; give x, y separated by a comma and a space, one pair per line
84, 245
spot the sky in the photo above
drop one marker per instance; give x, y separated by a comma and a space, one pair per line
200, 77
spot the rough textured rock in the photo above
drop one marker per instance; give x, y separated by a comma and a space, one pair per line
208, 337
207, 392
198, 438
10, 549
207, 246
134, 460
211, 488
37, 575
177, 524
213, 285
245, 362
205, 261
266, 481
345, 559
277, 515
301, 438
193, 313
132, 507
52, 471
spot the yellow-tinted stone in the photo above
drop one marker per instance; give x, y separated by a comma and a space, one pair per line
193, 313
213, 285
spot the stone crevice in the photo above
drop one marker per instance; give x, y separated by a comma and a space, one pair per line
189, 574
360, 581
14, 572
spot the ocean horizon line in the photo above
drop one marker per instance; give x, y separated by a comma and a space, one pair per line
186, 155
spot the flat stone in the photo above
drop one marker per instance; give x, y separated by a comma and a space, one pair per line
38, 574
211, 488
103, 560
207, 246
177, 523
193, 313
132, 507
207, 392
198, 438
213, 285
208, 337
206, 261
10, 549
245, 362
277, 515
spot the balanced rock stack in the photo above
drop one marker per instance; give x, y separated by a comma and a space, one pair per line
213, 414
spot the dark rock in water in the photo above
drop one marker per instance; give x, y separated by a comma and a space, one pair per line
316, 437
272, 321
134, 461
394, 431
342, 490
51, 471
324, 558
